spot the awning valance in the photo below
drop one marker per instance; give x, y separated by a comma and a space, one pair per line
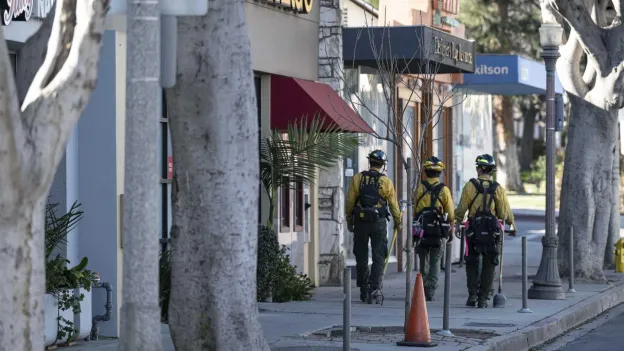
293, 99
409, 49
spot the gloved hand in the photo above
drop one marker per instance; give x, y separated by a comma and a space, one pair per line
450, 233
512, 229
350, 227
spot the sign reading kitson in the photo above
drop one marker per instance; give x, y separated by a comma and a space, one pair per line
298, 6
451, 50
19, 10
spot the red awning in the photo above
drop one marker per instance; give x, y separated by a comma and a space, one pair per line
292, 99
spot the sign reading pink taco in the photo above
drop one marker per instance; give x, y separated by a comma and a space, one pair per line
299, 6
19, 10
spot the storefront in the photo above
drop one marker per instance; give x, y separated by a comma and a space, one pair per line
425, 57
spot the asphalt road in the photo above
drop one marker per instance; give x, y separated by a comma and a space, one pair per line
604, 338
601, 334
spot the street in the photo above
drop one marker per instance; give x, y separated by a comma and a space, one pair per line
600, 334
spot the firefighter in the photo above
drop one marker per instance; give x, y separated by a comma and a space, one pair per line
371, 200
433, 210
487, 206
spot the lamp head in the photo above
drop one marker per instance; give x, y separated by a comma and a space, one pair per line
551, 34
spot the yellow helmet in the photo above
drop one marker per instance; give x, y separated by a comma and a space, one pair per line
434, 164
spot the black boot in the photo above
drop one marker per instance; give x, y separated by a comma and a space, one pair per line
482, 303
472, 301
363, 294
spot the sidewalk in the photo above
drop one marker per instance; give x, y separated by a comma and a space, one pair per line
308, 325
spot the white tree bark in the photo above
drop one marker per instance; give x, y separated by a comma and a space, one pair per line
214, 133
32, 142
590, 188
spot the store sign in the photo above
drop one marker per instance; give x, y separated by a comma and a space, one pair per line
452, 50
42, 8
298, 6
492, 70
19, 10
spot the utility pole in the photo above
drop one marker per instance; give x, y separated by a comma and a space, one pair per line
140, 312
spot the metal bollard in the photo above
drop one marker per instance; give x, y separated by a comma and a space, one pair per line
346, 314
446, 330
571, 260
462, 248
525, 278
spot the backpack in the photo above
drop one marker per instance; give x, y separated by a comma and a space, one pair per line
429, 219
484, 229
369, 198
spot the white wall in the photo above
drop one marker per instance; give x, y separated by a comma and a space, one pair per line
355, 16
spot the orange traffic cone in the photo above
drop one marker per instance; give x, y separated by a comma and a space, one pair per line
417, 333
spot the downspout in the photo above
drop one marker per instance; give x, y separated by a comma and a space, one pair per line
95, 329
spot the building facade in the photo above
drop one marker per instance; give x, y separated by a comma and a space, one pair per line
287, 69
424, 96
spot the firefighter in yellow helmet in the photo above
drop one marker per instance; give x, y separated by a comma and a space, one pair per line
487, 206
433, 211
371, 200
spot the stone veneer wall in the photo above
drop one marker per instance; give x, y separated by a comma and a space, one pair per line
331, 189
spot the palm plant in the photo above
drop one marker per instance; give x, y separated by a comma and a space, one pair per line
296, 158
57, 227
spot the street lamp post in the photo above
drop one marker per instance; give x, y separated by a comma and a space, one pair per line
547, 283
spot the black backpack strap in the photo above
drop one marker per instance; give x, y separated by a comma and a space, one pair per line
492, 191
425, 192
435, 194
480, 190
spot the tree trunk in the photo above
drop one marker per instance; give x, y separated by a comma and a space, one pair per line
589, 193
32, 141
508, 174
21, 240
526, 148
214, 130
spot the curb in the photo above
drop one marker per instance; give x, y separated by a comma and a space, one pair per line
557, 324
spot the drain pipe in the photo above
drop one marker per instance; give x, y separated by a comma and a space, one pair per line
95, 329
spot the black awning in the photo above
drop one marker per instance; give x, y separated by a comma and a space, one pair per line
413, 49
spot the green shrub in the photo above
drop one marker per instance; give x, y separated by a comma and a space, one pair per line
537, 174
60, 279
276, 277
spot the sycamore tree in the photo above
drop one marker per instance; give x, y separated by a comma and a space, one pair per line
591, 70
34, 129
214, 134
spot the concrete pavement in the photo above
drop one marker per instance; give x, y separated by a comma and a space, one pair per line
309, 324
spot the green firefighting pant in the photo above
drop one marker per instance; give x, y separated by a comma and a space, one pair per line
377, 232
480, 283
430, 257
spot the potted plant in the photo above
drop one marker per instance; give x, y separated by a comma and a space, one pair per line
68, 289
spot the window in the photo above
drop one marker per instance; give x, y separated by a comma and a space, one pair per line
285, 208
292, 198
450, 6
299, 206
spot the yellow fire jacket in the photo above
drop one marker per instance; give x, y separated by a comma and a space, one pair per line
386, 190
445, 200
500, 206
